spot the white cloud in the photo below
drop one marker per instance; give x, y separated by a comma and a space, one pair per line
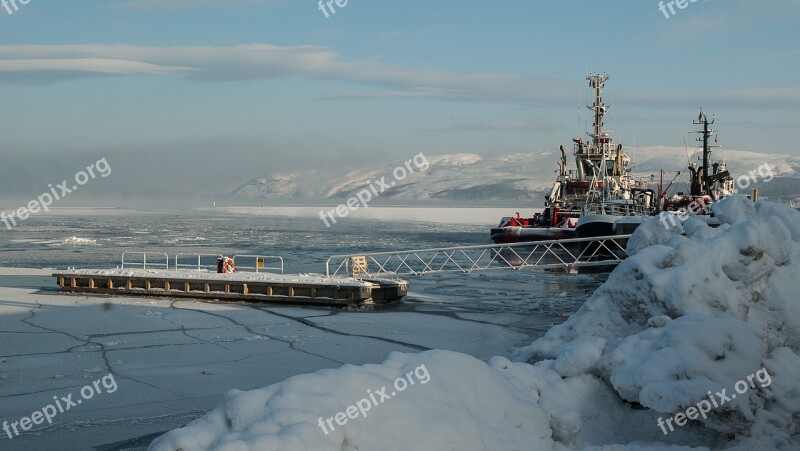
265, 61
53, 63
94, 65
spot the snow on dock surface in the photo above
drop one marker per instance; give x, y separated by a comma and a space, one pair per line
684, 316
316, 279
302, 288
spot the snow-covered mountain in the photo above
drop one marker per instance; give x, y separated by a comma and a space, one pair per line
509, 177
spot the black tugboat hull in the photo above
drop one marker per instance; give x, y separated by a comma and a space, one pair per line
592, 226
507, 235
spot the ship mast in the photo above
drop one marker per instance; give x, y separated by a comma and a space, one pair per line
706, 136
600, 140
597, 82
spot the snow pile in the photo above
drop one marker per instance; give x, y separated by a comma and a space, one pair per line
465, 404
688, 315
685, 316
499, 413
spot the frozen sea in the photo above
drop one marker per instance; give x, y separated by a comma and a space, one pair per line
173, 360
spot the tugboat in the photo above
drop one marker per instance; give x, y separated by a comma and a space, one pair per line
562, 208
600, 185
709, 182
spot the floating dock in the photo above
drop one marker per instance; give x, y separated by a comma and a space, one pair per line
239, 286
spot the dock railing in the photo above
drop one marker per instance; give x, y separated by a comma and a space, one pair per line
156, 260
259, 263
199, 262
556, 254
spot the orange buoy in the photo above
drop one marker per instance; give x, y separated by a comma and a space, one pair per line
226, 265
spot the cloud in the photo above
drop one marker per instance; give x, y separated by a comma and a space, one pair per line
90, 65
264, 62
23, 64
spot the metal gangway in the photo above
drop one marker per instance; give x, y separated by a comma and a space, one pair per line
567, 254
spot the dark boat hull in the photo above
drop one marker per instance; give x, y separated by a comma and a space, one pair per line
592, 226
507, 235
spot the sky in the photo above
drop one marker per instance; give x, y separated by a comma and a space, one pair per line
190, 97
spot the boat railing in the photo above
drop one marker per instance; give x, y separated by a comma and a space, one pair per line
617, 208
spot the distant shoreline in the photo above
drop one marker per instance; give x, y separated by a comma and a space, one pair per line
446, 214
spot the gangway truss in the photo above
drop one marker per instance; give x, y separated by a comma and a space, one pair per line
566, 254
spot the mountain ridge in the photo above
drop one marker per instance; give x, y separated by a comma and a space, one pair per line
466, 177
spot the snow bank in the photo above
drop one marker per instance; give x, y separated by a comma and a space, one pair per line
697, 313
465, 404
684, 316
286, 415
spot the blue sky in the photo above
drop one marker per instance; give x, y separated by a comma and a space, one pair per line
242, 88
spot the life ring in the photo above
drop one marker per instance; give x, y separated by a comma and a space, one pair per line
228, 265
